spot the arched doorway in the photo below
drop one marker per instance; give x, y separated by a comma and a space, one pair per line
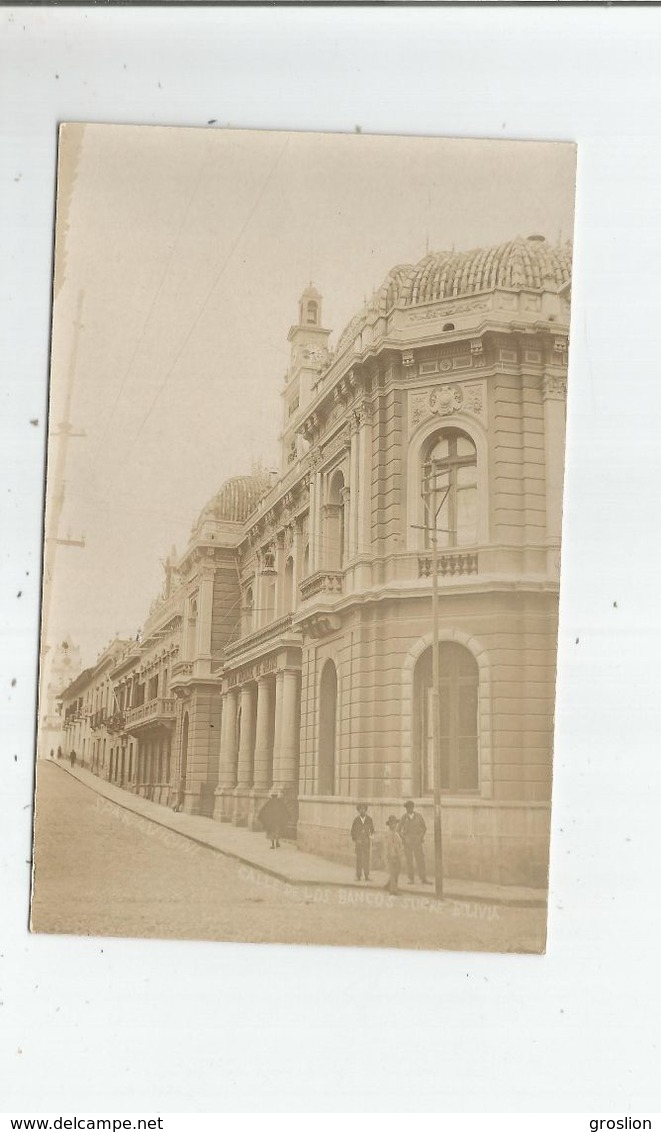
458, 696
327, 728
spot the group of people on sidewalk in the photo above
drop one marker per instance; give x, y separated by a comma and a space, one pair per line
403, 840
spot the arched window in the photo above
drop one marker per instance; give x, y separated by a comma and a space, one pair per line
312, 312
327, 728
288, 592
334, 523
449, 488
458, 701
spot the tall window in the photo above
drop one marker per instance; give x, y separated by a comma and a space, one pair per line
334, 523
312, 311
449, 488
327, 728
458, 699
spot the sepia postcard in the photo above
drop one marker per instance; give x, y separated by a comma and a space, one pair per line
302, 539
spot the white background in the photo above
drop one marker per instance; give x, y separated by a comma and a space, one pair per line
91, 1025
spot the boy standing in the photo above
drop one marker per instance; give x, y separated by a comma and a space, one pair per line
394, 848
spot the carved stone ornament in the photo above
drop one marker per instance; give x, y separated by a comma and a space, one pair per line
555, 386
444, 401
473, 398
455, 308
321, 625
363, 414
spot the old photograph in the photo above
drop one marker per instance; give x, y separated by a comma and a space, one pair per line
302, 537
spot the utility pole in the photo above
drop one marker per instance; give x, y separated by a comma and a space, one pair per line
434, 498
55, 503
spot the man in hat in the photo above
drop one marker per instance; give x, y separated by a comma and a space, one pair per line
412, 830
393, 852
362, 832
274, 816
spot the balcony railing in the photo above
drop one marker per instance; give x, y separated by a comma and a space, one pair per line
448, 565
322, 582
160, 710
274, 629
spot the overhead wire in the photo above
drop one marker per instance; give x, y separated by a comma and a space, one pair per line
218, 276
157, 294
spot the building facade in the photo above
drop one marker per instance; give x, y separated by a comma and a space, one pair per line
291, 646
59, 662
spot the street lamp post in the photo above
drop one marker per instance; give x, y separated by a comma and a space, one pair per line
430, 491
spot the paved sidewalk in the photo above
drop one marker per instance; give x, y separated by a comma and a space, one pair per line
288, 863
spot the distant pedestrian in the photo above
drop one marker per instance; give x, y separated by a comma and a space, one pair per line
274, 816
393, 851
72, 758
59, 752
51, 752
412, 830
181, 793
362, 832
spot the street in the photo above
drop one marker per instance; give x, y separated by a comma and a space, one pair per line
102, 870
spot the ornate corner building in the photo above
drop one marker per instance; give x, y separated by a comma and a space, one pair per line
291, 645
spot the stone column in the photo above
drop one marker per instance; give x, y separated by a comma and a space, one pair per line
228, 757
263, 761
280, 558
345, 516
290, 730
365, 479
555, 392
204, 616
277, 730
312, 525
263, 735
353, 497
295, 553
246, 752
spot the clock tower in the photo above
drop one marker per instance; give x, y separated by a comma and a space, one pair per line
309, 358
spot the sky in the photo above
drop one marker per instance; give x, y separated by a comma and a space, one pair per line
188, 250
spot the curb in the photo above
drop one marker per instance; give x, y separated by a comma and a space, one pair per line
458, 898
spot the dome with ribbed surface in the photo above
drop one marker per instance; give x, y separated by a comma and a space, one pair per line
530, 264
236, 498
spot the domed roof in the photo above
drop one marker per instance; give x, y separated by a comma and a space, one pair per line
532, 263
236, 498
